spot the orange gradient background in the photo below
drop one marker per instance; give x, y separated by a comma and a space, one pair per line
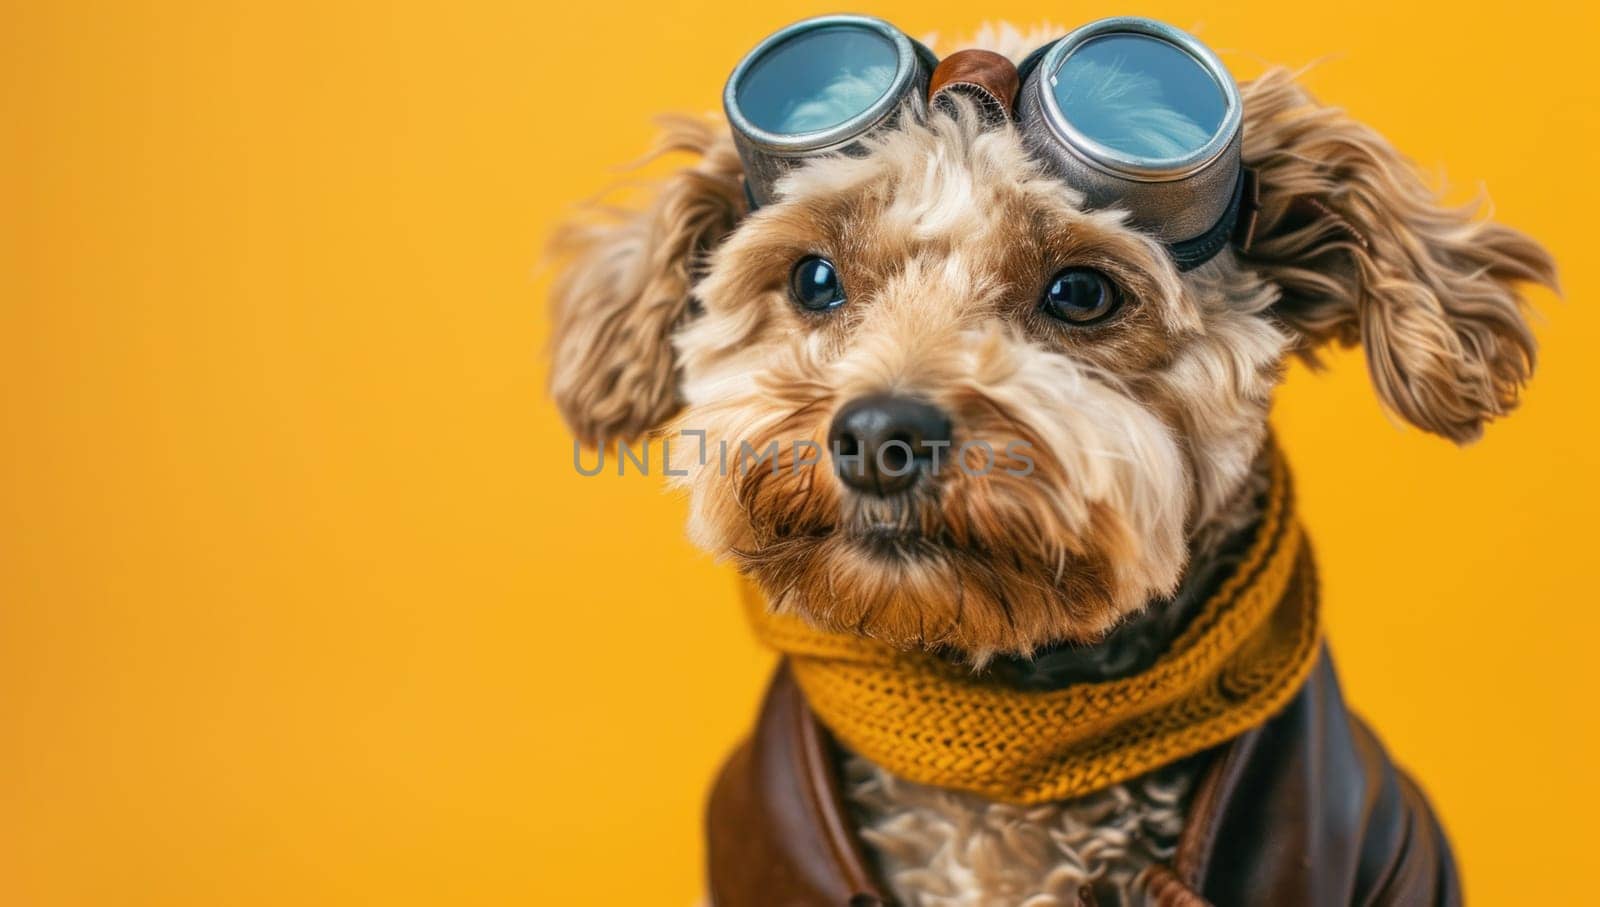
301, 601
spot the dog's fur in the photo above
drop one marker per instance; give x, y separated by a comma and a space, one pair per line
1144, 431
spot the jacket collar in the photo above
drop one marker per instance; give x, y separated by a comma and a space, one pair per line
1305, 809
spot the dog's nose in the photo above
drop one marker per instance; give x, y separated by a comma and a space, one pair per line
881, 443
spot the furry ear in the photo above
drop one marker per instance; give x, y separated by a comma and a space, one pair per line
626, 287
1364, 252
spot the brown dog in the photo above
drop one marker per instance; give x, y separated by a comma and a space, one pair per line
1144, 425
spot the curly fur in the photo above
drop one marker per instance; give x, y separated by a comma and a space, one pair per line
1143, 431
953, 849
925, 229
626, 287
1428, 291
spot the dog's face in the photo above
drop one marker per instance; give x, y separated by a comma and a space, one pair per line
999, 419
1051, 456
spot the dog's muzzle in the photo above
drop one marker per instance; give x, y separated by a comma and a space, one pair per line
1133, 113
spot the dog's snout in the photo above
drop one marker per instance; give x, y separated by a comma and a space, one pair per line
881, 443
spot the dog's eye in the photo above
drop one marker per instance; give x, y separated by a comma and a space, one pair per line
814, 284
1080, 296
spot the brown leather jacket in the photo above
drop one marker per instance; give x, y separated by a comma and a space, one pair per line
1306, 809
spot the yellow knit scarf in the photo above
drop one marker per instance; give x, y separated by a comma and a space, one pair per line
1242, 658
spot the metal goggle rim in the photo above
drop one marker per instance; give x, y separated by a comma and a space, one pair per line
907, 55
1051, 57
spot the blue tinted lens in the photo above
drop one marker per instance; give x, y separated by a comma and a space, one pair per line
1139, 96
817, 80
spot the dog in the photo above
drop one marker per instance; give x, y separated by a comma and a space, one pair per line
1145, 463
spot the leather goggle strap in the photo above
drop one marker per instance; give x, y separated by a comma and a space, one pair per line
1237, 226
986, 77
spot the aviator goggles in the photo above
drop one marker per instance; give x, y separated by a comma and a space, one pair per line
1131, 112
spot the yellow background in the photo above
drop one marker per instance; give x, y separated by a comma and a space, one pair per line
301, 601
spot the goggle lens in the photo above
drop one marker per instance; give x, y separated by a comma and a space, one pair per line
1139, 96
817, 80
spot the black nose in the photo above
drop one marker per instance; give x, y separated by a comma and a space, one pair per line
881, 444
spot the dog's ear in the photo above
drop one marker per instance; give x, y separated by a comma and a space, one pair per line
1364, 252
625, 287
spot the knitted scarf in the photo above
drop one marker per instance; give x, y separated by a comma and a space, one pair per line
921, 717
